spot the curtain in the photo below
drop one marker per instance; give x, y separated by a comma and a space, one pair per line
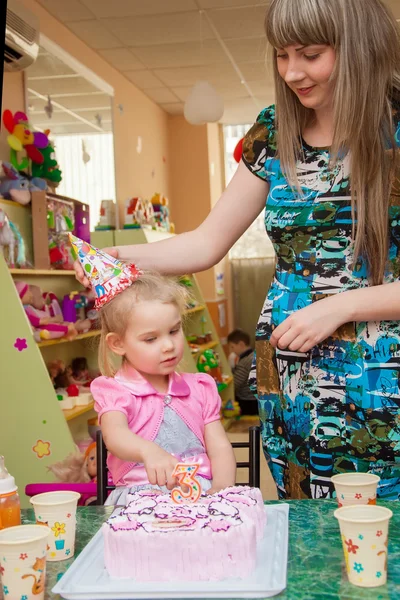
251, 278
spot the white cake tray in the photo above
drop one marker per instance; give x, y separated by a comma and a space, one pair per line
87, 578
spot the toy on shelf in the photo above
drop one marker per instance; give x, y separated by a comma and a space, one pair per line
161, 212
18, 186
59, 374
22, 137
80, 467
107, 220
80, 374
46, 324
231, 409
149, 217
61, 221
11, 238
73, 310
49, 168
208, 362
134, 213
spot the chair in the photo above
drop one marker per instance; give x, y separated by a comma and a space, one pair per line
252, 464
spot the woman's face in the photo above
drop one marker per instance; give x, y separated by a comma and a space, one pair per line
307, 71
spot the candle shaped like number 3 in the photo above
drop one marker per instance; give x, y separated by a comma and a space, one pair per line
185, 474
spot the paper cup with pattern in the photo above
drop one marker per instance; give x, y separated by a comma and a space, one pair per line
364, 532
57, 510
23, 562
355, 488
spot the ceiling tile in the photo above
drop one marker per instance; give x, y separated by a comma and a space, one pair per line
261, 87
70, 10
233, 90
164, 29
122, 59
252, 71
132, 8
162, 95
184, 54
241, 110
187, 76
145, 80
248, 49
239, 22
173, 109
94, 34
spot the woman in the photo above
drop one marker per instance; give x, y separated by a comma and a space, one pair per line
328, 339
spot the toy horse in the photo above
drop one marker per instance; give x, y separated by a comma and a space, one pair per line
9, 237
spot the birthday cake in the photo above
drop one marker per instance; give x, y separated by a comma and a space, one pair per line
154, 539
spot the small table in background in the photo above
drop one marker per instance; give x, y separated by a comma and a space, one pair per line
316, 564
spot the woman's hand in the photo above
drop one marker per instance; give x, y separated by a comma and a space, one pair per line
311, 325
80, 273
159, 466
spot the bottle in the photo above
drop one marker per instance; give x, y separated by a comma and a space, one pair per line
10, 506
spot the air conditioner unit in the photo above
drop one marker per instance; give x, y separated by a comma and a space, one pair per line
22, 37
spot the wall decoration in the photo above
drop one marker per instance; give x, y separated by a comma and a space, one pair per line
42, 449
20, 344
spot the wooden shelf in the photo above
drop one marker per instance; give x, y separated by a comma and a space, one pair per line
72, 413
202, 347
81, 336
227, 422
12, 203
195, 309
41, 272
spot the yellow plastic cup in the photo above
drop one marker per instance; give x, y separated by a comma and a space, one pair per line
364, 531
355, 488
57, 510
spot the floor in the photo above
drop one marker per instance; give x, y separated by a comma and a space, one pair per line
238, 432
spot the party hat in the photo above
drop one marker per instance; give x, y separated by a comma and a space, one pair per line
108, 275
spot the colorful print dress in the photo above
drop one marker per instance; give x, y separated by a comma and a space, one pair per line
335, 408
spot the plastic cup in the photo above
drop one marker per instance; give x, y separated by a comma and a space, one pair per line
364, 532
355, 488
57, 510
23, 561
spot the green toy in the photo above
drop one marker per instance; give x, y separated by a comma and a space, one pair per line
49, 169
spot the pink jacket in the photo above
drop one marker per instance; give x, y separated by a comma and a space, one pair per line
193, 396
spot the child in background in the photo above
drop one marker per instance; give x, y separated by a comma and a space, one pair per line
152, 417
239, 346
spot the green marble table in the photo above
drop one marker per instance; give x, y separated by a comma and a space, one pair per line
316, 565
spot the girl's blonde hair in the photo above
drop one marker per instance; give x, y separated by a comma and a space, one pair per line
366, 39
115, 316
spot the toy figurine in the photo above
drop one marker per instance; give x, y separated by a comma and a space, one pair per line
45, 325
80, 374
107, 220
208, 363
11, 238
60, 376
134, 213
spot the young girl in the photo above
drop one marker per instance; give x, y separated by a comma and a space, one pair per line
322, 162
152, 417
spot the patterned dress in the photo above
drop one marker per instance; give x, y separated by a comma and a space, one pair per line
335, 408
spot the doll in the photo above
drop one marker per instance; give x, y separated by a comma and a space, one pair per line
60, 375
45, 325
77, 467
80, 374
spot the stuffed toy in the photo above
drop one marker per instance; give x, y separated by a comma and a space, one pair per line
77, 467
18, 186
45, 324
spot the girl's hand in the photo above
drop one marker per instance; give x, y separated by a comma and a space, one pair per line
80, 273
159, 466
311, 325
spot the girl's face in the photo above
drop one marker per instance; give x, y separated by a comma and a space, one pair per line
153, 343
307, 71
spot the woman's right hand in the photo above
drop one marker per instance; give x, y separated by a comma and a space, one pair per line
80, 273
159, 466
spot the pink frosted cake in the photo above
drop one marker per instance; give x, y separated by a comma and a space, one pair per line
154, 539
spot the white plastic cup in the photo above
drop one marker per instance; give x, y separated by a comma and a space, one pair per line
355, 488
57, 510
23, 561
364, 531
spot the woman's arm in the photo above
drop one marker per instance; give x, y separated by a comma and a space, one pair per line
222, 458
309, 326
128, 446
205, 246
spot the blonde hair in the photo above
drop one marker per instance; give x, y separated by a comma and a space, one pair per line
366, 76
115, 315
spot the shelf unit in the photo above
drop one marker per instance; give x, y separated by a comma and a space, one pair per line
80, 336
